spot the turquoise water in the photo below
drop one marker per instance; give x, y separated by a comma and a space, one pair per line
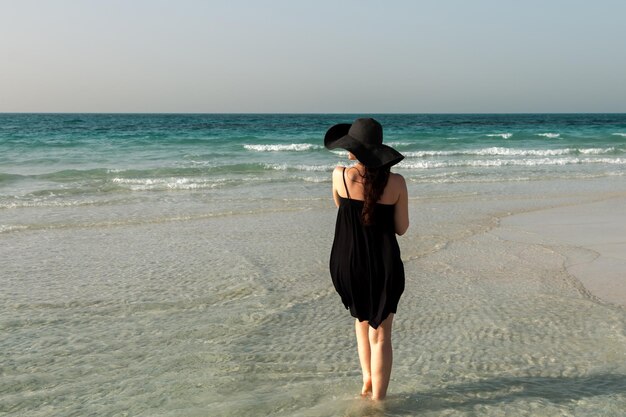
173, 163
56, 158
177, 265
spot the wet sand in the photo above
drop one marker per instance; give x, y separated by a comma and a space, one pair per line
592, 236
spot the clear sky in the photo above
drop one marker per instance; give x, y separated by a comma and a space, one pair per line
408, 56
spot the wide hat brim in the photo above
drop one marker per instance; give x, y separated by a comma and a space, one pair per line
370, 155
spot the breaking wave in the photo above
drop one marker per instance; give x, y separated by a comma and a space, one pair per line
293, 147
500, 151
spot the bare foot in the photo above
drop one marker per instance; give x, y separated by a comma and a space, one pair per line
366, 391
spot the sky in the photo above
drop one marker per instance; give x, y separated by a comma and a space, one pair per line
341, 56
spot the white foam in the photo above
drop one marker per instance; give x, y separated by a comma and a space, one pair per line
287, 167
499, 151
394, 144
316, 179
426, 154
616, 161
424, 164
293, 147
619, 134
524, 152
486, 163
596, 151
147, 184
502, 135
6, 228
549, 135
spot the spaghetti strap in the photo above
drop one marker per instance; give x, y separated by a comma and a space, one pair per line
344, 183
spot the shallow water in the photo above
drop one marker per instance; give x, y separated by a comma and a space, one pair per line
235, 315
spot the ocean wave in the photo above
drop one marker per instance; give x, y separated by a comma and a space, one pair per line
69, 175
293, 147
549, 135
300, 167
487, 163
502, 135
497, 178
50, 201
6, 228
7, 178
159, 184
426, 154
398, 144
316, 179
499, 151
619, 134
597, 151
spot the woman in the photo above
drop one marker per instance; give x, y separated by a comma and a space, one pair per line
365, 263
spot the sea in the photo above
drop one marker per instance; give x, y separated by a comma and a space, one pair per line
59, 160
176, 265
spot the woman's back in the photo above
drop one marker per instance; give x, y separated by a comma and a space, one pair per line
350, 182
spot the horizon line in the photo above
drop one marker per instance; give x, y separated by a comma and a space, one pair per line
307, 113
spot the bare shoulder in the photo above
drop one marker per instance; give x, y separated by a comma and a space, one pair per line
395, 189
397, 182
338, 172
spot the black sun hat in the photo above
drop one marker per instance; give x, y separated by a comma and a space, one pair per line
364, 139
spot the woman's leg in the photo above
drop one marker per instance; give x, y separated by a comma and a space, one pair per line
381, 357
363, 345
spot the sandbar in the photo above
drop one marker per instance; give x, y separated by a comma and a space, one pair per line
592, 237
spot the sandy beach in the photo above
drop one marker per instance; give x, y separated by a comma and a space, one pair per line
592, 236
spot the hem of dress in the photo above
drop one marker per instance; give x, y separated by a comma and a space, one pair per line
369, 321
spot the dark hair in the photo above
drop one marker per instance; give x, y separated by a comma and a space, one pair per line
374, 183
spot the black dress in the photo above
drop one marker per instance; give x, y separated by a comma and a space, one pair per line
365, 263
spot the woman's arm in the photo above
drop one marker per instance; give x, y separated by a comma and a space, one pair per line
401, 213
337, 179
